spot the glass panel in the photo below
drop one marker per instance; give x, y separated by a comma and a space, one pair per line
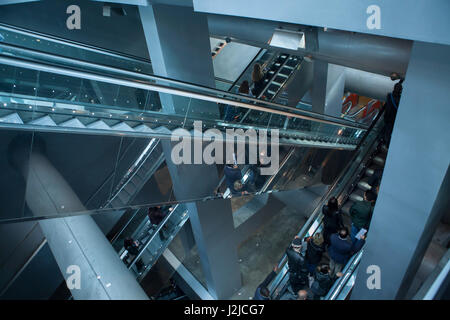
74, 169
45, 43
188, 257
154, 239
15, 147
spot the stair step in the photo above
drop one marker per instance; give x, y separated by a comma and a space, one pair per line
130, 188
124, 196
142, 128
357, 195
379, 160
364, 185
99, 124
346, 207
73, 123
44, 121
371, 170
122, 126
117, 203
12, 118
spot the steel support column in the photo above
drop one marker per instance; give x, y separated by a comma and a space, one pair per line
408, 205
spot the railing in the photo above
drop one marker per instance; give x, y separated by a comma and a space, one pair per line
141, 81
152, 145
343, 285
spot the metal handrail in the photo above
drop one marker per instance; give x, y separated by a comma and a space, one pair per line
279, 108
117, 235
72, 43
348, 271
120, 187
109, 177
281, 166
161, 224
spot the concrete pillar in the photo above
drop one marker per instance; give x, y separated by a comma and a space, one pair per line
408, 206
328, 88
212, 224
74, 241
178, 42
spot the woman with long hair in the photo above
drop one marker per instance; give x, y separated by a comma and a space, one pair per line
332, 219
258, 79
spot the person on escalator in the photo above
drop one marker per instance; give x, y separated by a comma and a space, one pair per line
132, 246
375, 180
391, 107
232, 113
156, 215
323, 281
262, 292
258, 80
361, 214
332, 219
233, 178
298, 271
314, 250
341, 249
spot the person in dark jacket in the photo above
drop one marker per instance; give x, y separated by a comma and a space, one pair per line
314, 251
262, 292
232, 174
341, 249
361, 213
332, 219
298, 272
156, 215
375, 180
391, 107
132, 246
323, 281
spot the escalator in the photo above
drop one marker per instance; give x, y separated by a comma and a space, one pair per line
350, 187
48, 93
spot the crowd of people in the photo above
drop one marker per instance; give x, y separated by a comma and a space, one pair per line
316, 262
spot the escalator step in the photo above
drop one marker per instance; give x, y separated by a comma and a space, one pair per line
99, 124
117, 203
44, 121
73, 123
12, 118
123, 196
371, 170
130, 188
357, 195
122, 126
379, 160
364, 185
346, 207
142, 128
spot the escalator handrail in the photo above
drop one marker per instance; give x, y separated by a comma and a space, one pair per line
108, 178
117, 235
217, 95
155, 233
317, 213
125, 180
71, 43
348, 271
